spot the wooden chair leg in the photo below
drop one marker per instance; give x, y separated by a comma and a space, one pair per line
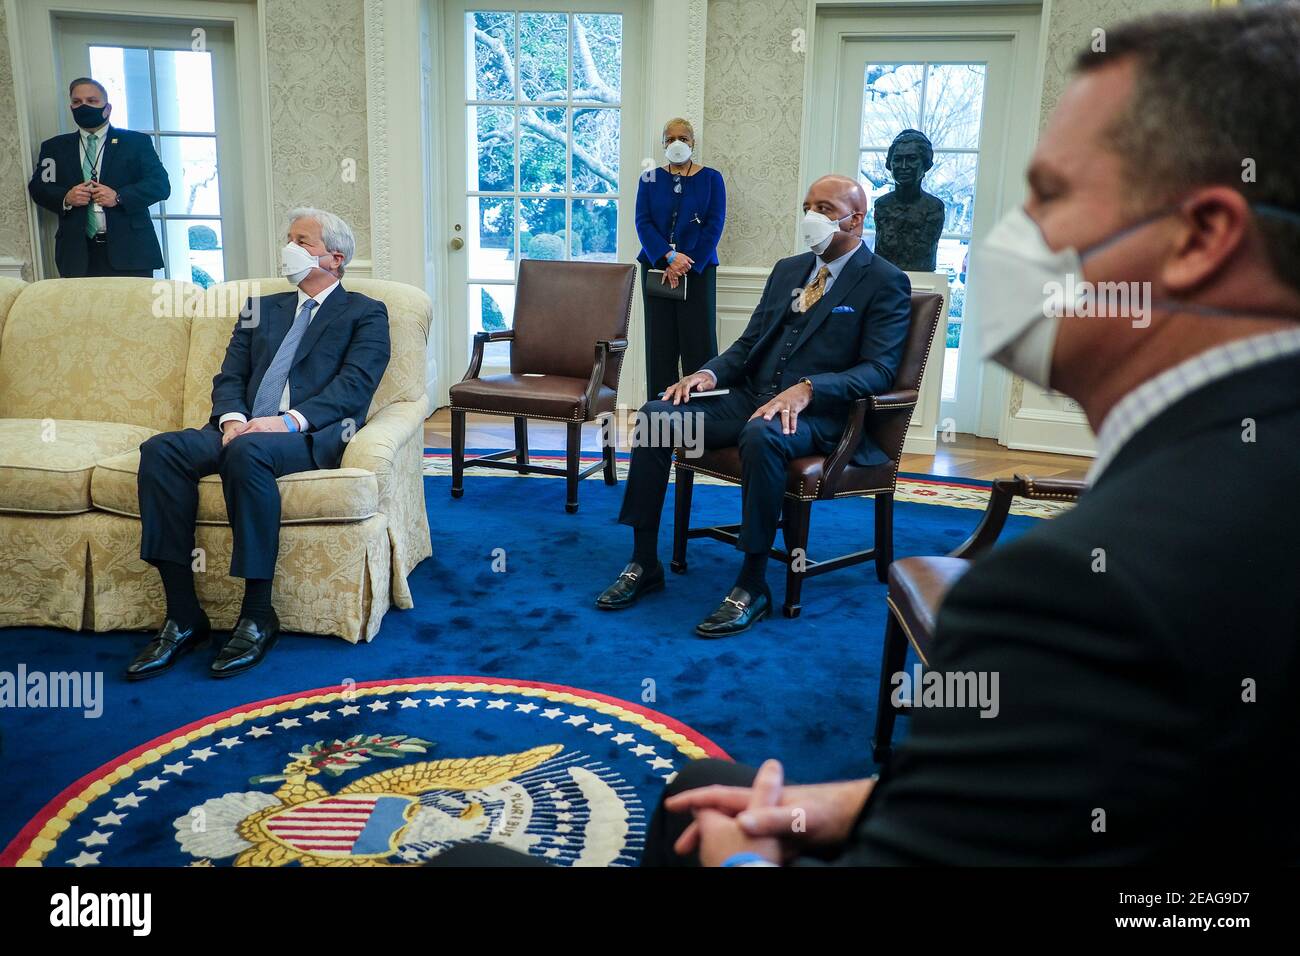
892, 658
572, 451
798, 517
884, 543
521, 443
457, 453
681, 518
610, 451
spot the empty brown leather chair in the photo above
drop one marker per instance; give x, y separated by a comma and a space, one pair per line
566, 351
824, 477
917, 587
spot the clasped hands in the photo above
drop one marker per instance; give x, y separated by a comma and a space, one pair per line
233, 429
83, 194
770, 819
674, 271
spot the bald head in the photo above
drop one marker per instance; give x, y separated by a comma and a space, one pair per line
842, 200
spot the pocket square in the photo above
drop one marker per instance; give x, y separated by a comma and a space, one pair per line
841, 309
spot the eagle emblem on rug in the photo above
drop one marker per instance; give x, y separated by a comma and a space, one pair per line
410, 813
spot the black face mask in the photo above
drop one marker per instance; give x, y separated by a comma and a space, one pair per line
88, 117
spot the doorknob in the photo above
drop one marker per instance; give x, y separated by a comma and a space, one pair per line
457, 242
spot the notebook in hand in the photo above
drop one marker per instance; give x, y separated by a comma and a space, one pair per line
655, 286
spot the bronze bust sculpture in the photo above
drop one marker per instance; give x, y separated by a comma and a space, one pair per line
909, 220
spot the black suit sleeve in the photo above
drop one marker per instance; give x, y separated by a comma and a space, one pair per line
230, 384
1090, 732
48, 195
349, 394
880, 350
729, 366
152, 184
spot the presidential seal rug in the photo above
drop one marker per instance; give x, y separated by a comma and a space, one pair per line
387, 773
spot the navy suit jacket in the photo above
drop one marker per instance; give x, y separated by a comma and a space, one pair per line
130, 166
851, 343
338, 365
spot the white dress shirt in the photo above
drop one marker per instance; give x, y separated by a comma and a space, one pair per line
836, 266
1140, 407
319, 297
94, 212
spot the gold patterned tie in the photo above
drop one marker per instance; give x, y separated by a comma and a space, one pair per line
812, 293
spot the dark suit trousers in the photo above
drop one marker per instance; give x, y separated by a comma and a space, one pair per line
97, 263
171, 465
723, 422
685, 332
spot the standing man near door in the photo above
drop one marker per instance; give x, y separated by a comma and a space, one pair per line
100, 181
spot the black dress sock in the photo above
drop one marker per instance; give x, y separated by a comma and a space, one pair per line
753, 574
645, 547
182, 601
257, 601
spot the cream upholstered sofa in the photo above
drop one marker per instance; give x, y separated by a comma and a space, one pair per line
89, 368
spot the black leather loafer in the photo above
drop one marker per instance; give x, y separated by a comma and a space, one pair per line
247, 646
168, 645
738, 612
629, 586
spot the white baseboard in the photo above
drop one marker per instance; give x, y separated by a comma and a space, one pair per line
11, 268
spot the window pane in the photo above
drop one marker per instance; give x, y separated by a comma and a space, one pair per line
543, 143
191, 163
891, 101
491, 135
877, 181
953, 180
595, 230
490, 57
597, 57
185, 100
954, 103
125, 74
194, 251
595, 151
543, 56
491, 239
491, 309
541, 229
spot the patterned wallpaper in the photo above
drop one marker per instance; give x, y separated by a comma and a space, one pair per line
753, 108
14, 239
316, 63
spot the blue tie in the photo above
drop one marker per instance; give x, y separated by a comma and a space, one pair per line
271, 391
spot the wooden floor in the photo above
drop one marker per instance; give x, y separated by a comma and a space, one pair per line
965, 457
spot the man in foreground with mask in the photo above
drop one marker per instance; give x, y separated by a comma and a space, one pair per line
829, 329
100, 181
1146, 641
294, 387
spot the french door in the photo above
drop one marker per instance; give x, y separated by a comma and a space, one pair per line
542, 95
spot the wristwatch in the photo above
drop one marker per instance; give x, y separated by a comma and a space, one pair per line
807, 381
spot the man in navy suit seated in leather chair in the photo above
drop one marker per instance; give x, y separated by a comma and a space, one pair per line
828, 330
295, 385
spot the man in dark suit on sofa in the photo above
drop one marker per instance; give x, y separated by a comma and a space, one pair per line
829, 329
100, 181
294, 387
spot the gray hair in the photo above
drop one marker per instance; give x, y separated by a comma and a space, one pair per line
1210, 94
679, 121
334, 232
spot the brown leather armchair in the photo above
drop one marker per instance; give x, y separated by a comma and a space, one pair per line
917, 587
825, 477
563, 311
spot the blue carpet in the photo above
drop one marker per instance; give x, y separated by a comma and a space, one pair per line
800, 690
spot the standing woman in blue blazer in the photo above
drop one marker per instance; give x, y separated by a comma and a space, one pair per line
680, 212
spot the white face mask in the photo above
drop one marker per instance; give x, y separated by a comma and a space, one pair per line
296, 262
678, 152
818, 230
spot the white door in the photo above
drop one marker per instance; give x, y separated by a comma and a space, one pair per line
176, 83
956, 92
543, 95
